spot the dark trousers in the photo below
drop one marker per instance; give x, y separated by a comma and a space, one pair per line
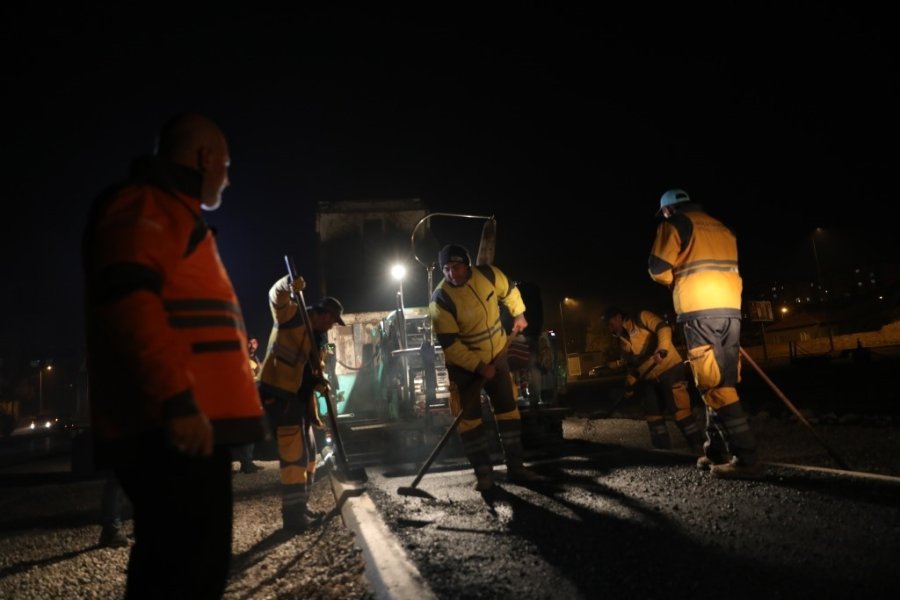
182, 522
111, 502
243, 454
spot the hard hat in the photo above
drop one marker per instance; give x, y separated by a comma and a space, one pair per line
672, 197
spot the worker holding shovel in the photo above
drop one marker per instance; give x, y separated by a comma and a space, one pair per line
286, 384
465, 314
655, 375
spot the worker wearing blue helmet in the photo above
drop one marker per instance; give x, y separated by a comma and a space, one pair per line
695, 255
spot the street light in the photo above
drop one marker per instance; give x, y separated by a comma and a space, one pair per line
41, 386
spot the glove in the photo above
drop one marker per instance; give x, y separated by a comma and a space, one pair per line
298, 285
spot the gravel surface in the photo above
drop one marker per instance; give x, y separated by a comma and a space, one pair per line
49, 530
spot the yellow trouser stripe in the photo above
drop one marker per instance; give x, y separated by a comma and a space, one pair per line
719, 397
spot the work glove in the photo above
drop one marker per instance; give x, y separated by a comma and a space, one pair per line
299, 284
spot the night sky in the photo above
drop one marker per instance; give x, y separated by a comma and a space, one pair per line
567, 125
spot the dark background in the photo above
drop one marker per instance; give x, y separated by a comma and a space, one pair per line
565, 123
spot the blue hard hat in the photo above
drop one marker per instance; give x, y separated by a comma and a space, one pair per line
673, 197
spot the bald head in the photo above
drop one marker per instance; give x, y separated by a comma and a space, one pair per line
182, 135
196, 142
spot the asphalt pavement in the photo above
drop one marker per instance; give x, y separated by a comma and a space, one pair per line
614, 518
629, 522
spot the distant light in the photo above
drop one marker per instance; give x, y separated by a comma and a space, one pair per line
398, 272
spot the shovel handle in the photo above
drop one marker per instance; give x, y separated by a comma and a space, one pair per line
840, 461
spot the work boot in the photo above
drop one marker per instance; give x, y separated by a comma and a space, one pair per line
484, 478
299, 518
715, 450
659, 434
313, 514
300, 523
523, 475
250, 468
112, 537
705, 463
734, 469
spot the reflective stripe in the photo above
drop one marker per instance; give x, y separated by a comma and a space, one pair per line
481, 336
699, 266
198, 321
216, 346
192, 304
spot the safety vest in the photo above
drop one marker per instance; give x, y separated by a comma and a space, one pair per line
466, 318
644, 337
697, 255
165, 332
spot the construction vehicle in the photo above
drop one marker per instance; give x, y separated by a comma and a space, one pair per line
388, 375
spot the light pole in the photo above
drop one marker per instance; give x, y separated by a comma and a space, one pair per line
41, 386
562, 327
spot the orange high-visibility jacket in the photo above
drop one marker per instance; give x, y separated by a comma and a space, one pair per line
165, 332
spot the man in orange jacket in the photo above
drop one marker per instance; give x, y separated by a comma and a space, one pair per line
171, 388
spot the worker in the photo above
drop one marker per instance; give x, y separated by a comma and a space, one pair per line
655, 374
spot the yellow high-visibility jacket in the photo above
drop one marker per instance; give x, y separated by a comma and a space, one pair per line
287, 352
643, 337
466, 318
696, 255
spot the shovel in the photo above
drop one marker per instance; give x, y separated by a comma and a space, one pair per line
343, 470
605, 414
412, 490
837, 457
